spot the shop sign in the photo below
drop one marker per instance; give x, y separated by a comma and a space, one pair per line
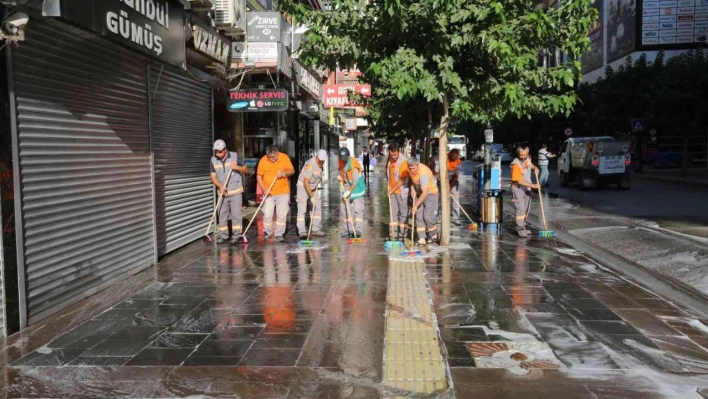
260, 52
307, 80
211, 44
345, 111
263, 26
262, 5
155, 27
334, 96
351, 124
258, 100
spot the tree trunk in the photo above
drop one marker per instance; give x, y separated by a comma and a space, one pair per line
428, 133
444, 182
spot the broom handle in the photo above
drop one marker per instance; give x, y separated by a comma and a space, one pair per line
312, 214
259, 207
349, 212
540, 200
461, 208
218, 203
390, 213
413, 222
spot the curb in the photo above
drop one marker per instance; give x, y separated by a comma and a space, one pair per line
671, 180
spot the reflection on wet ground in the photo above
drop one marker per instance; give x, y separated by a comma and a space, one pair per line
517, 318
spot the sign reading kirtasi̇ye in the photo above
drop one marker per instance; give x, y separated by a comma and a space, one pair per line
153, 27
258, 100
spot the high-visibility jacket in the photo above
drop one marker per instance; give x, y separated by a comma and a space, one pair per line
312, 171
453, 167
399, 171
222, 168
347, 173
424, 177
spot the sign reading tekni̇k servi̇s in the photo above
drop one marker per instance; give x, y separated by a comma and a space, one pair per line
258, 100
155, 27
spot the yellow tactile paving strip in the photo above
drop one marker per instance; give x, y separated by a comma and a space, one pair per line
412, 358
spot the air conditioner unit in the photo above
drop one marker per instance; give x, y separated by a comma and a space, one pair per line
230, 16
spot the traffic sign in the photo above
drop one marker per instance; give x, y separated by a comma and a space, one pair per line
637, 125
263, 26
336, 96
652, 132
568, 131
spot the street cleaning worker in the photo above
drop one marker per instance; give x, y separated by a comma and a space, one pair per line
221, 163
425, 189
350, 174
543, 156
398, 189
521, 186
308, 180
453, 175
275, 165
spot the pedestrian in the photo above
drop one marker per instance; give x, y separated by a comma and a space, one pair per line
424, 191
221, 163
543, 156
366, 160
453, 175
521, 186
309, 179
350, 174
275, 166
398, 190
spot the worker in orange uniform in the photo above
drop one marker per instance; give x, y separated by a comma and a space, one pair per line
398, 188
453, 175
275, 166
425, 196
521, 186
351, 176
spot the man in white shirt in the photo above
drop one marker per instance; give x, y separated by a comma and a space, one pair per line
543, 157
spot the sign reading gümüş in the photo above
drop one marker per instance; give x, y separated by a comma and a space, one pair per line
258, 100
155, 27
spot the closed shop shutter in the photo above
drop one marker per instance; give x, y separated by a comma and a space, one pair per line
182, 146
87, 209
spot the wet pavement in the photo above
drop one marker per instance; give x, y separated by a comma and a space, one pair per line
509, 318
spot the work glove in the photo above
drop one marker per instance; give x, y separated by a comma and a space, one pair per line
346, 194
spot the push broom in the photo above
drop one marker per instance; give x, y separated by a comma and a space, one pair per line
413, 252
391, 244
472, 226
207, 238
244, 240
355, 239
308, 243
545, 233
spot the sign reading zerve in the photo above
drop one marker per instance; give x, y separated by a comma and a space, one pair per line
336, 96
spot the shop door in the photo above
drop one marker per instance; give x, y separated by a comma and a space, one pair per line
182, 147
84, 161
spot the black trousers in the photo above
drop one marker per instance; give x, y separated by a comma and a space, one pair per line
366, 166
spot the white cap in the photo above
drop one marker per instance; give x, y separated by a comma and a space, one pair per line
322, 155
219, 145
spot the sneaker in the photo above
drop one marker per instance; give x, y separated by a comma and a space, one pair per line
267, 236
221, 240
280, 239
319, 233
236, 239
457, 222
433, 240
358, 234
422, 241
523, 233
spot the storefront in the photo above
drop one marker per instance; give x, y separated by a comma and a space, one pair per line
112, 132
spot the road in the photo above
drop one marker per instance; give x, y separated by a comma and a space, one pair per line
658, 225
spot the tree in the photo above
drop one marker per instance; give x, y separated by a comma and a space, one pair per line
477, 59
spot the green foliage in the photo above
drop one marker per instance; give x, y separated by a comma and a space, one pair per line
480, 54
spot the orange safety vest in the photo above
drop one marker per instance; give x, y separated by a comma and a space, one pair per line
424, 171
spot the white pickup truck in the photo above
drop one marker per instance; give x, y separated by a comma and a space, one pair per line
595, 162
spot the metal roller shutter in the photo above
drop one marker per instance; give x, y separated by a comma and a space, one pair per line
182, 145
87, 206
